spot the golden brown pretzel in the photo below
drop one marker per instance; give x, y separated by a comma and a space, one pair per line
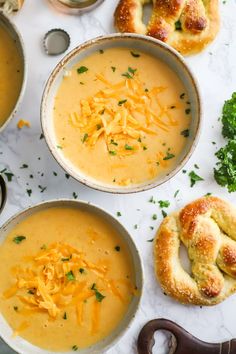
187, 25
207, 228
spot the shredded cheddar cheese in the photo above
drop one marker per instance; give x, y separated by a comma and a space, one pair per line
23, 123
122, 114
53, 281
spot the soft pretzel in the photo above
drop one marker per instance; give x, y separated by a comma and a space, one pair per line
11, 5
207, 228
187, 25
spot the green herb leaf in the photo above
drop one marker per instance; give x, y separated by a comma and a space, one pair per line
194, 178
117, 248
112, 152
98, 295
225, 172
19, 239
101, 51
128, 147
154, 217
168, 156
85, 137
185, 133
82, 70
176, 193
65, 259
70, 276
135, 55
113, 142
81, 270
75, 348
187, 110
15, 308
178, 25
121, 102
118, 213
24, 166
151, 240
132, 71
65, 316
164, 203
113, 68
164, 214
229, 118
29, 192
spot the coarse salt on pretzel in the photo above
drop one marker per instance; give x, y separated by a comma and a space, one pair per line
187, 25
207, 228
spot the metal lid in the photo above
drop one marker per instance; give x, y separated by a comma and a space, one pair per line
56, 41
3, 193
75, 6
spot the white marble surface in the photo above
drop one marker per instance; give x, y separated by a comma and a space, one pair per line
216, 72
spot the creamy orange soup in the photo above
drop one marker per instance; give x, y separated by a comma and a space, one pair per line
67, 281
122, 117
11, 74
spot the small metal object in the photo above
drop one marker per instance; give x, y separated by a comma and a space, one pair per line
3, 193
56, 41
75, 7
184, 342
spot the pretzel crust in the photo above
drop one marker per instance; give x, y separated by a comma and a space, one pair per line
207, 228
199, 20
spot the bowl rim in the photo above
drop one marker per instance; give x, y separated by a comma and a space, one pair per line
54, 202
14, 28
88, 44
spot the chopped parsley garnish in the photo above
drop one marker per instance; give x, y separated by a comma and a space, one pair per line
151, 240
42, 189
54, 173
113, 142
43, 247
67, 176
24, 166
75, 348
176, 193
196, 166
118, 213
187, 110
135, 55
164, 214
113, 68
117, 248
59, 146
29, 192
85, 137
112, 152
154, 217
225, 171
130, 73
70, 276
101, 51
15, 308
168, 156
98, 295
128, 147
75, 195
65, 316
229, 118
144, 147
41, 136
19, 239
99, 126
82, 70
164, 203
135, 226
152, 200
121, 102
31, 291
185, 133
65, 259
194, 178
9, 175
178, 25
81, 270
182, 96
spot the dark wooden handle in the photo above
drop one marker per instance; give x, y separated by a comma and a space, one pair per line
183, 343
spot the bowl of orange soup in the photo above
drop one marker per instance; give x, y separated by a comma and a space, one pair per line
72, 279
12, 70
121, 113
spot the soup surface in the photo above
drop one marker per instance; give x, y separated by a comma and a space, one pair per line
11, 74
67, 281
122, 117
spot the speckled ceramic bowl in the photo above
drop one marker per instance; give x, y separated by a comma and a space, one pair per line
20, 345
11, 28
142, 43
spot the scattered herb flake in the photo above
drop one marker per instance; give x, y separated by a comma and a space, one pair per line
194, 178
225, 171
75, 348
128, 147
113, 142
164, 214
154, 217
24, 166
101, 51
176, 193
163, 203
151, 240
19, 239
81, 270
112, 152
70, 276
185, 133
121, 102
187, 110
75, 196
178, 25
15, 308
182, 96
135, 55
117, 248
85, 137
65, 316
118, 213
168, 156
82, 70
29, 192
98, 295
113, 68
42, 189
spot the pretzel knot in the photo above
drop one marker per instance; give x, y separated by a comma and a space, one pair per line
207, 228
186, 25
